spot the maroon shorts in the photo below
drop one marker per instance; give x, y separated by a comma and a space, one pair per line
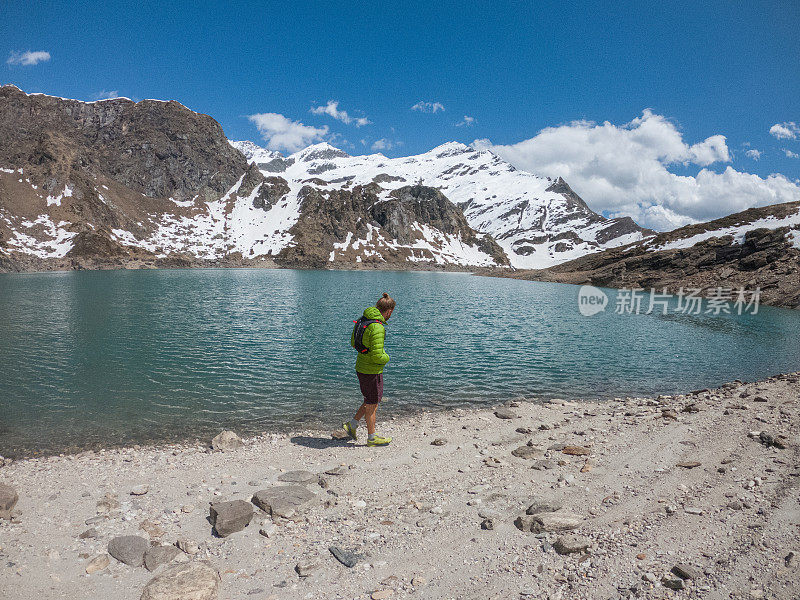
371, 387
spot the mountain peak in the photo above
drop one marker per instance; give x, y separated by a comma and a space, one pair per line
451, 149
320, 151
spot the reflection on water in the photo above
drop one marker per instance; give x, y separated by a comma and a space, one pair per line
97, 358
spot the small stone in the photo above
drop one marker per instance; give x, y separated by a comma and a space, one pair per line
190, 547
527, 452
90, 533
268, 529
305, 568
419, 581
196, 580
225, 441
96, 520
340, 470
301, 477
487, 524
691, 464
347, 558
505, 413
735, 505
693, 510
668, 413
140, 490
569, 544
543, 506
772, 439
382, 594
576, 451
685, 571
230, 517
154, 530
439, 442
283, 500
159, 555
187, 508
128, 549
524, 430
98, 563
641, 556
672, 582
549, 521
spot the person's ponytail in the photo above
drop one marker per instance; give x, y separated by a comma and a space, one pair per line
385, 303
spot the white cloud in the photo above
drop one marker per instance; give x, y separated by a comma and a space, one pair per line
332, 110
790, 154
383, 144
467, 122
106, 95
28, 58
281, 133
428, 107
785, 131
753, 153
624, 170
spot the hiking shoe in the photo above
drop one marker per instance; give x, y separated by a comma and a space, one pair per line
349, 429
379, 441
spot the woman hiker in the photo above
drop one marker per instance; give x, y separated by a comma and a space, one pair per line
367, 337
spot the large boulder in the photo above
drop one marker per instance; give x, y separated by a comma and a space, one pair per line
129, 549
8, 500
196, 580
230, 517
282, 500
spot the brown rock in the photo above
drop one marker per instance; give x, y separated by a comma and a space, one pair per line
576, 451
196, 580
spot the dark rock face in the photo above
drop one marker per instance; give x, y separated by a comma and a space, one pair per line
159, 149
328, 216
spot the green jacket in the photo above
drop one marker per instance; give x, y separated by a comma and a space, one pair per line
372, 362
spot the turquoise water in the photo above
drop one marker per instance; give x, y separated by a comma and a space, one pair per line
114, 357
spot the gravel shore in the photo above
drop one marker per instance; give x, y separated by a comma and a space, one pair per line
685, 496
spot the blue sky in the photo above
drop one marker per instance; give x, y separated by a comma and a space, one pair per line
709, 68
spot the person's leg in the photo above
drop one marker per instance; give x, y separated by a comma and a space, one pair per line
370, 411
361, 412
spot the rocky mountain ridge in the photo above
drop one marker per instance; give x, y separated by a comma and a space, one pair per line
117, 183
756, 248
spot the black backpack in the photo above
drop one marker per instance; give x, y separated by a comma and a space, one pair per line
358, 333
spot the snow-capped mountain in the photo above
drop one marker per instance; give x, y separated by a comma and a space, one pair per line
152, 182
537, 221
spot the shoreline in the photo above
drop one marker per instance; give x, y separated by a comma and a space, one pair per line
642, 487
404, 414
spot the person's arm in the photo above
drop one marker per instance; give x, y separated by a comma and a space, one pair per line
376, 352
